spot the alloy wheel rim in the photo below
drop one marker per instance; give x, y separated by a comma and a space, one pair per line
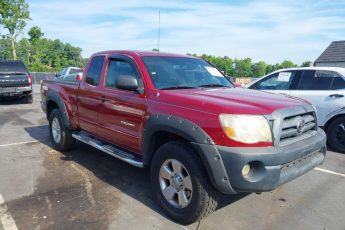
56, 130
175, 183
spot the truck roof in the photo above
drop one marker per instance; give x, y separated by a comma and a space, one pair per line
142, 53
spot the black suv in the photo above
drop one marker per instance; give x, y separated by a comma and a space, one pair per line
15, 80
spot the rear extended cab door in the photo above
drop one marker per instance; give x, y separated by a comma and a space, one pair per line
122, 112
89, 95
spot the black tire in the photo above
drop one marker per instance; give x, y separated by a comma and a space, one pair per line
336, 135
29, 99
204, 198
66, 140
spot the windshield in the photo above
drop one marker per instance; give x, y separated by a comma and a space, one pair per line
183, 73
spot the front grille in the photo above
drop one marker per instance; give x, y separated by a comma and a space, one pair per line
297, 126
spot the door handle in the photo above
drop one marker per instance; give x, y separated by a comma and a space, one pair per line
336, 95
103, 98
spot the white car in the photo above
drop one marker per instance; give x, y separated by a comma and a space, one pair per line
68, 71
324, 87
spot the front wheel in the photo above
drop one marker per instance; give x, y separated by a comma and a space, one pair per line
181, 184
336, 135
60, 136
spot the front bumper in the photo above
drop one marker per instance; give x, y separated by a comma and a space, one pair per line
270, 166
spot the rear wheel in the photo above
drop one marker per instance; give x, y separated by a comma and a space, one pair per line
60, 136
181, 184
336, 135
29, 99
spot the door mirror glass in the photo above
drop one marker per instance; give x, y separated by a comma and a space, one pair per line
127, 82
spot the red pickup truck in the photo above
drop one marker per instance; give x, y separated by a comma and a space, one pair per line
182, 118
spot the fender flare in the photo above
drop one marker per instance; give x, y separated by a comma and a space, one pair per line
55, 97
172, 124
197, 137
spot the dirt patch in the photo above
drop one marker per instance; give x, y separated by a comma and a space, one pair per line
61, 198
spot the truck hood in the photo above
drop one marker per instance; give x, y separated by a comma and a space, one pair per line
228, 100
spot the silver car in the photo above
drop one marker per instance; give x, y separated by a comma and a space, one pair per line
324, 87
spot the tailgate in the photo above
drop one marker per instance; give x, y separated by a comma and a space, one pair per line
14, 80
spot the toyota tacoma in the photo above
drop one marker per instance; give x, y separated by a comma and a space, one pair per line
179, 116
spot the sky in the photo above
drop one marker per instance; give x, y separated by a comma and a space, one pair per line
271, 31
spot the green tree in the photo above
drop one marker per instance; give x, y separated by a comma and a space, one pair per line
287, 64
13, 16
306, 63
35, 34
24, 50
5, 48
259, 69
243, 67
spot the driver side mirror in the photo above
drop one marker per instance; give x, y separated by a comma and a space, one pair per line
127, 82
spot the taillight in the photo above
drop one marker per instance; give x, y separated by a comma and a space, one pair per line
78, 77
29, 79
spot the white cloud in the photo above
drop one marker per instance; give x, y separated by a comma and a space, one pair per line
265, 30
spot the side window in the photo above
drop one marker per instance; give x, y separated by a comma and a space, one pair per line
118, 68
316, 80
338, 82
94, 72
279, 81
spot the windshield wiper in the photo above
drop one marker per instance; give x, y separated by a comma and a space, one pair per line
212, 85
178, 87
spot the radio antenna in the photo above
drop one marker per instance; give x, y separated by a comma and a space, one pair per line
159, 28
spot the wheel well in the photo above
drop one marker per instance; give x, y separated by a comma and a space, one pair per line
325, 127
51, 105
160, 138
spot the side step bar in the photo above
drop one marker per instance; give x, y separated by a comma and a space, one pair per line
108, 148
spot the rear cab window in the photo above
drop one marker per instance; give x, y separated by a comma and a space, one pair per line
95, 69
15, 67
74, 70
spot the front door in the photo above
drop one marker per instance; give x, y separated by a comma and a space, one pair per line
122, 112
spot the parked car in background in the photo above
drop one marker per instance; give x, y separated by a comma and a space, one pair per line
72, 77
15, 80
67, 71
324, 87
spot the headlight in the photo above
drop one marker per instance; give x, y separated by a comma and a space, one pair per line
248, 129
